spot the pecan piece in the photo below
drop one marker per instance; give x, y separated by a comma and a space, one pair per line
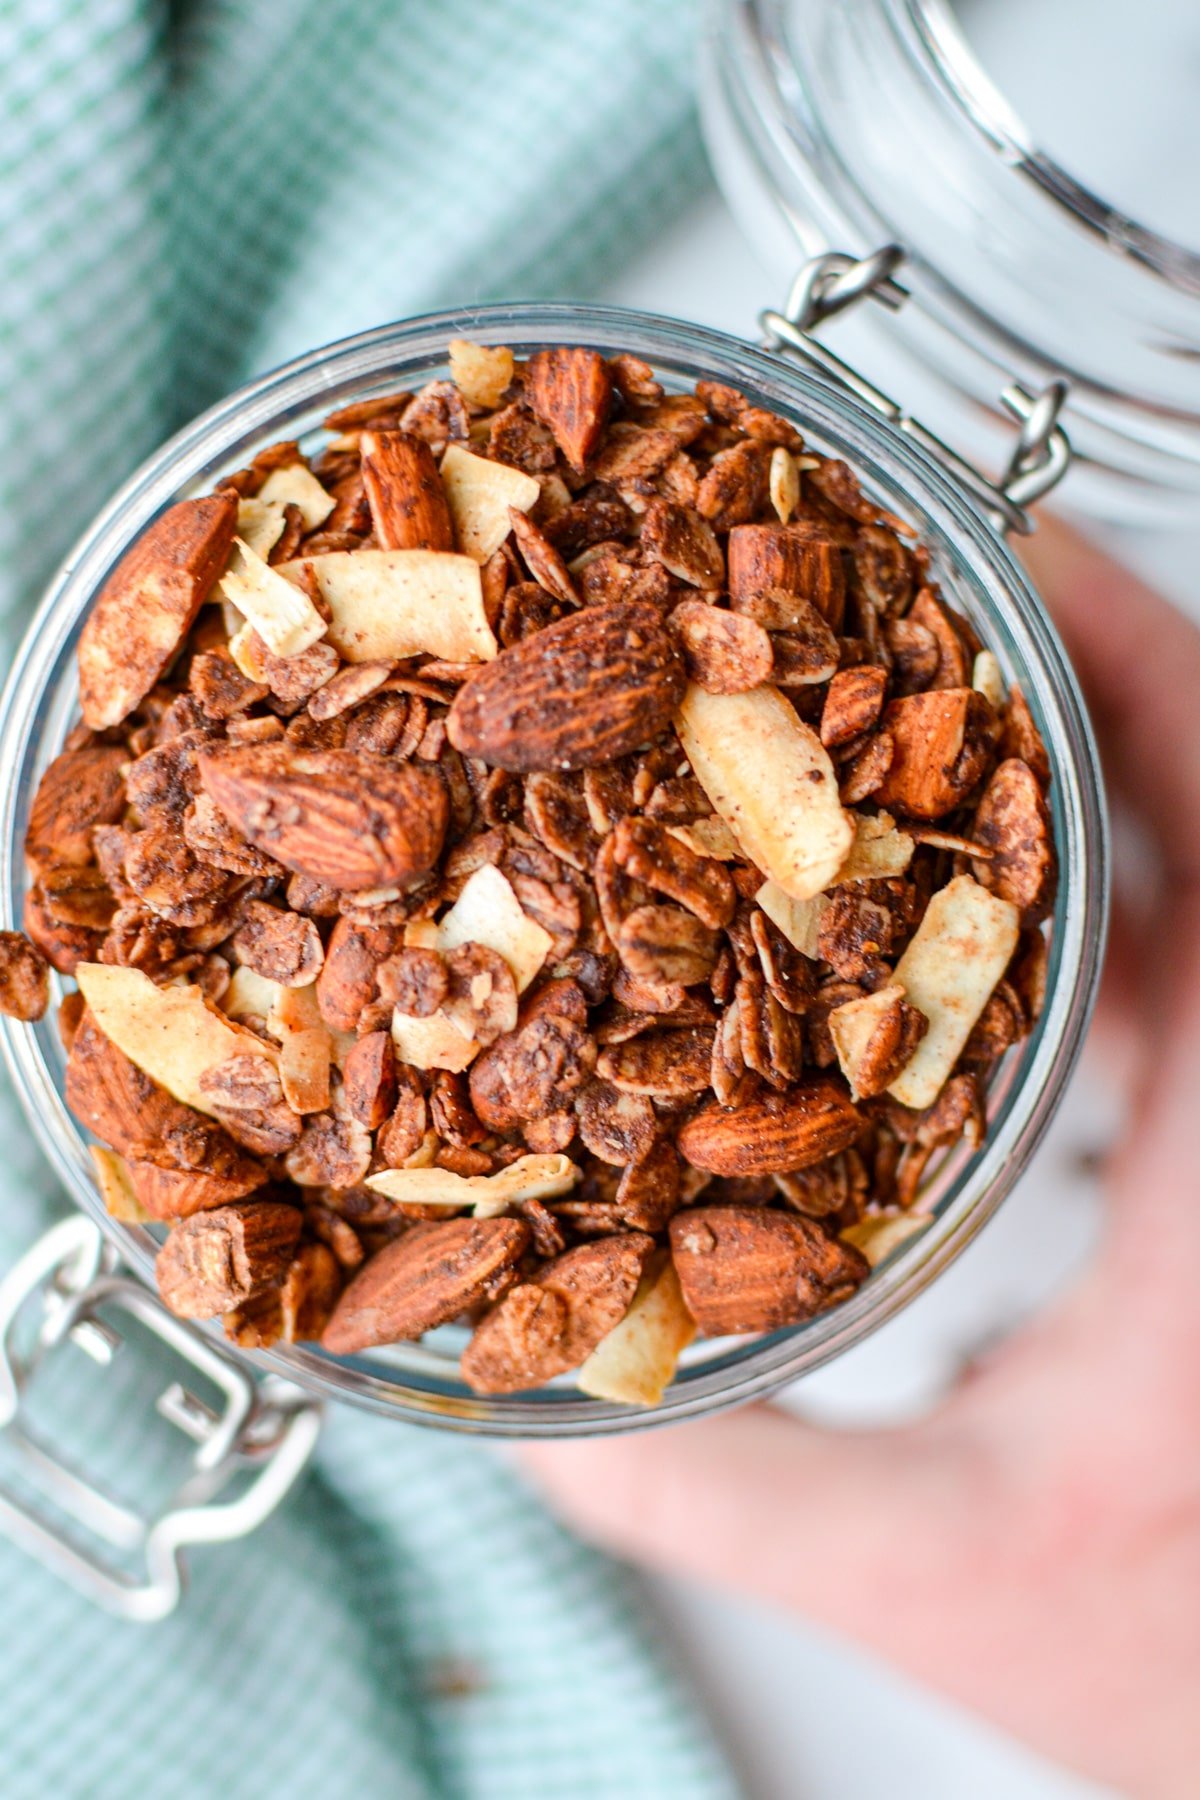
654, 856
24, 978
423, 1280
746, 1268
583, 691
1013, 821
853, 703
540, 1329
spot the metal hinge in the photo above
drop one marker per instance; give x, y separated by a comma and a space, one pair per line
827, 285
251, 1437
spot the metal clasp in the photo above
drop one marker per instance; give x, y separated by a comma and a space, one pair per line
826, 286
251, 1440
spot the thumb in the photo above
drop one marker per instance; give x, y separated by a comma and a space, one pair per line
872, 1534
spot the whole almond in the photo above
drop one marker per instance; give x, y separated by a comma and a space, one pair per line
748, 1268
571, 391
409, 509
147, 606
342, 817
585, 691
422, 1280
773, 1134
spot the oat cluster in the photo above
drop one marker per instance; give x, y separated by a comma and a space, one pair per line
551, 857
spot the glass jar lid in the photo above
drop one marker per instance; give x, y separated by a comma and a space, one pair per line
848, 124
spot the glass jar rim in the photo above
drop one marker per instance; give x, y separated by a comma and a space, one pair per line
326, 377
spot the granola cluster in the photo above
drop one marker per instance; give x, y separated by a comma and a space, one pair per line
551, 858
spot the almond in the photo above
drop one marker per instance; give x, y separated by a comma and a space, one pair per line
571, 391
774, 1133
408, 503
935, 761
146, 607
135, 1116
540, 1329
776, 560
216, 1260
341, 817
169, 1194
582, 692
744, 1268
422, 1280
80, 790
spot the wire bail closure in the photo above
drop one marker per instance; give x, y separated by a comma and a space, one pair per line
830, 284
250, 1439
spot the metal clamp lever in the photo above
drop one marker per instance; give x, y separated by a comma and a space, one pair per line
250, 1446
826, 286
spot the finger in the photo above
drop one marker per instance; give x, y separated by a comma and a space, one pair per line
871, 1534
1139, 660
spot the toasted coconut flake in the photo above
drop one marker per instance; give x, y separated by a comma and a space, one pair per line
709, 837
116, 1188
853, 1025
250, 995
770, 778
881, 1233
480, 493
298, 486
432, 1043
878, 852
488, 912
783, 482
987, 679
481, 373
961, 949
260, 524
171, 1033
528, 1178
799, 920
281, 613
304, 1063
389, 604
636, 1362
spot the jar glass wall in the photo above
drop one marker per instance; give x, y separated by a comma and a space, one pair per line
980, 577
846, 124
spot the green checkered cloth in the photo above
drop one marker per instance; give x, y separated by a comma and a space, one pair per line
194, 190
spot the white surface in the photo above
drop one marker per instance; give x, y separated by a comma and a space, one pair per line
808, 1719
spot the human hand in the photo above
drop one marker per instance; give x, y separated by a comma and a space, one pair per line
1033, 1547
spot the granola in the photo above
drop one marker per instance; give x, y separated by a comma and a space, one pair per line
549, 858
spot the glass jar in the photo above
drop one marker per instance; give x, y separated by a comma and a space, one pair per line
420, 1382
849, 124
